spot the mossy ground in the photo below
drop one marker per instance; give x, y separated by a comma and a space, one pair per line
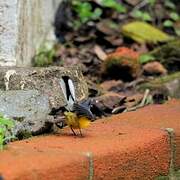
158, 82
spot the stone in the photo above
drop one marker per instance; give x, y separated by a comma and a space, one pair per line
24, 25
112, 85
28, 95
134, 100
154, 68
110, 100
46, 80
28, 108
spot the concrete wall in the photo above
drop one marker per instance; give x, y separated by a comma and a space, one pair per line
24, 24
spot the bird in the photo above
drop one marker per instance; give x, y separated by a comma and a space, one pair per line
78, 115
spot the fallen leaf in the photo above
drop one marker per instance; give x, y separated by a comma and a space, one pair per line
144, 33
114, 40
108, 27
100, 53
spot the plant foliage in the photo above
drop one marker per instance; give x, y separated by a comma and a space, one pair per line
5, 130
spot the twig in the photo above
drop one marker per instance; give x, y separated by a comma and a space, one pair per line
144, 98
139, 6
142, 104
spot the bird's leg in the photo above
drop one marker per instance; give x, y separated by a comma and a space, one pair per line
80, 131
73, 131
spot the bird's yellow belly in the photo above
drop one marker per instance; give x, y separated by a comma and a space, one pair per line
76, 122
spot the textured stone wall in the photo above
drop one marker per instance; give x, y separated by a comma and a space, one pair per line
24, 24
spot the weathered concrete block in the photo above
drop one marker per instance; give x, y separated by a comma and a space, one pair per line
28, 95
46, 80
24, 24
30, 109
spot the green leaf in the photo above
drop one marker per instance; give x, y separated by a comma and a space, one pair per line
144, 33
168, 23
5, 125
137, 14
174, 16
177, 31
86, 6
170, 4
120, 8
6, 122
144, 58
145, 16
83, 10
152, 2
114, 5
97, 13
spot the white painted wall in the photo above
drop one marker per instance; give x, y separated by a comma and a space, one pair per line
24, 24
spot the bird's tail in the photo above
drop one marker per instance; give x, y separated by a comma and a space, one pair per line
68, 90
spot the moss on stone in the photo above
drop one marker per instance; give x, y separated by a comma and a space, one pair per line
158, 82
169, 55
168, 86
24, 134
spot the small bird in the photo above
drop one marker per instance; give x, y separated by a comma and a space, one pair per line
78, 114
75, 122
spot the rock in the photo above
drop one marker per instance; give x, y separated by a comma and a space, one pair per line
28, 108
46, 80
129, 103
28, 95
166, 86
134, 100
122, 64
112, 85
143, 32
109, 101
154, 68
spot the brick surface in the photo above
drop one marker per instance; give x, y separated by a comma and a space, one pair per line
130, 145
157, 116
118, 151
22, 163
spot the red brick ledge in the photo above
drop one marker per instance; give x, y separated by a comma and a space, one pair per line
109, 150
127, 146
